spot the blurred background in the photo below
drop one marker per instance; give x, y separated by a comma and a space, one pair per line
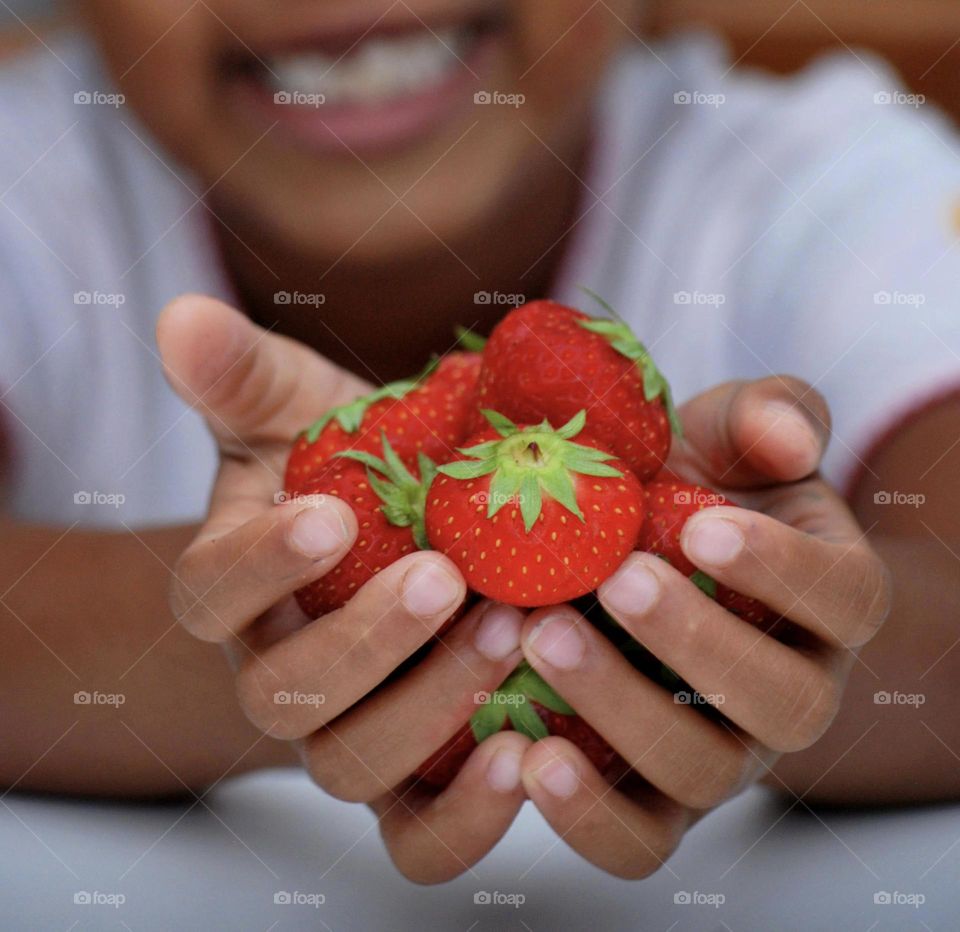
918, 36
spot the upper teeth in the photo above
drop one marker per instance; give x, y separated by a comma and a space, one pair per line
381, 68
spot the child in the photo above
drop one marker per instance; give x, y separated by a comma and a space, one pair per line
359, 178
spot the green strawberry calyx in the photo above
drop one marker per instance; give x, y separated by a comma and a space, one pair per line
470, 341
403, 494
526, 463
513, 700
618, 333
350, 415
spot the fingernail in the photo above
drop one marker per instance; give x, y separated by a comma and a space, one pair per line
559, 778
429, 589
503, 771
632, 590
558, 641
787, 423
714, 541
319, 532
498, 634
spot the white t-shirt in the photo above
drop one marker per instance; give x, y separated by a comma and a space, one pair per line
743, 224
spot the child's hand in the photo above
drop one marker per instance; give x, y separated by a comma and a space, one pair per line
801, 553
304, 681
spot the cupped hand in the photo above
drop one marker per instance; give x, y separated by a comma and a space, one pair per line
321, 683
799, 550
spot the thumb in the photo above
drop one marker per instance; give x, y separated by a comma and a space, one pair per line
250, 385
745, 434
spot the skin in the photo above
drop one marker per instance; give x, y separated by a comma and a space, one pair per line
233, 577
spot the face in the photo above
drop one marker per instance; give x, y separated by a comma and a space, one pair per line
378, 127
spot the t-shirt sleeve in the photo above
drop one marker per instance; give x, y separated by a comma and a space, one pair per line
863, 271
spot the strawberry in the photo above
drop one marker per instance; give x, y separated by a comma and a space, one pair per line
387, 500
530, 517
669, 503
525, 702
426, 414
544, 360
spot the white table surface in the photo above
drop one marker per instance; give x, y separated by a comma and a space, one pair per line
183, 867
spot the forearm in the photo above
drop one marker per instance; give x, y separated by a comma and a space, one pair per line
905, 750
86, 612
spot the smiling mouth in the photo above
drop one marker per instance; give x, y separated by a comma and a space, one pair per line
386, 86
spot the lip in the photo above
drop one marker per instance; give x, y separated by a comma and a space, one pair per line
367, 128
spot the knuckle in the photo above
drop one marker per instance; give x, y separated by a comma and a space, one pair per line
874, 601
814, 704
644, 859
715, 777
257, 690
339, 774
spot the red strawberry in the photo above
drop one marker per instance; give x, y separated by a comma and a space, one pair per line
544, 360
427, 414
525, 703
386, 499
530, 517
669, 503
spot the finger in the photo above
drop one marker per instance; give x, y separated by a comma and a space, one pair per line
785, 698
837, 589
336, 660
742, 434
696, 761
383, 740
432, 839
629, 838
252, 386
222, 583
